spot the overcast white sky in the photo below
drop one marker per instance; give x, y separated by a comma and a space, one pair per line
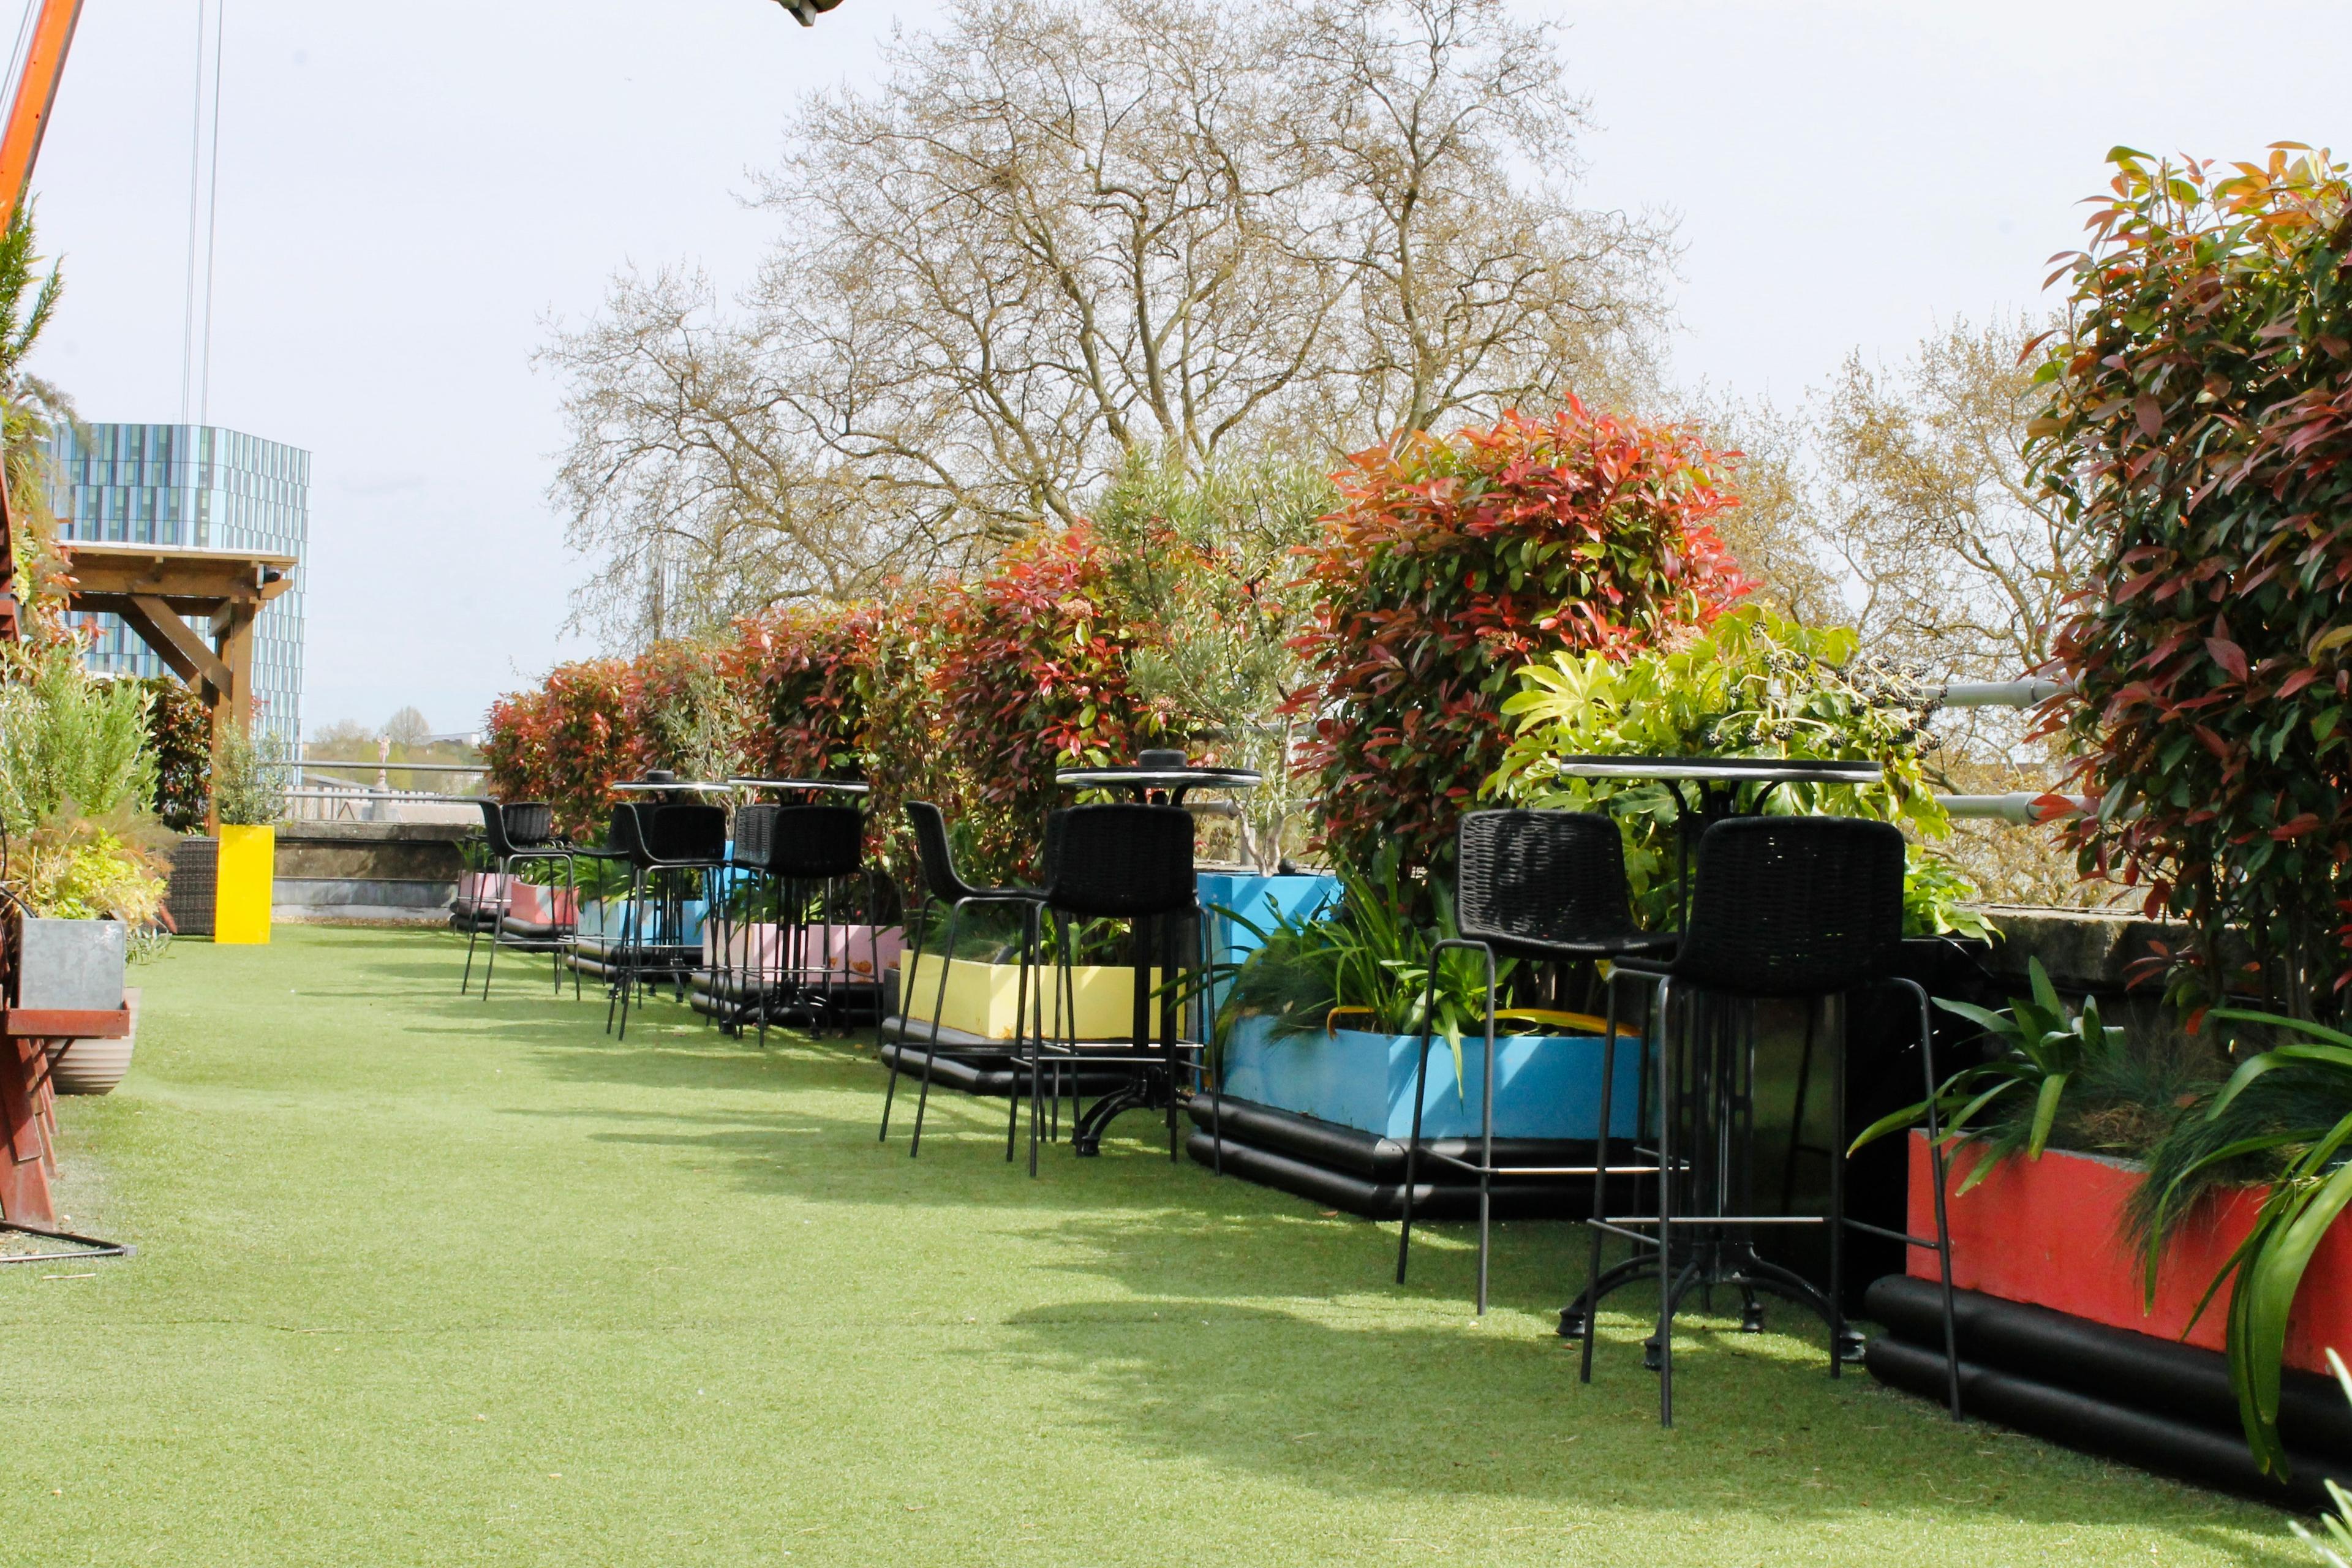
409, 194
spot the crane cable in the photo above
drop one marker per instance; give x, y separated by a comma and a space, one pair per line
203, 210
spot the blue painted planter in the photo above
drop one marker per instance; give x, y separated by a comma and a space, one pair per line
1546, 1085
1260, 900
606, 920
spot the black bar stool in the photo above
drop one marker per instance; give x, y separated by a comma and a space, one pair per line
1546, 885
735, 993
517, 834
1793, 907
658, 839
1130, 862
812, 851
943, 884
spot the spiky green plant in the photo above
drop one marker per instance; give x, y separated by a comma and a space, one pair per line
1367, 955
2061, 1078
2301, 1129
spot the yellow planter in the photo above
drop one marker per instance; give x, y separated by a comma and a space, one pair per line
248, 860
984, 998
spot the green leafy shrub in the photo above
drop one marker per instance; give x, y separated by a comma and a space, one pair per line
67, 738
2199, 432
1450, 564
1751, 684
248, 779
78, 868
180, 733
1210, 572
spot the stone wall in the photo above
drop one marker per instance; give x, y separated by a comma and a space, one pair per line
402, 871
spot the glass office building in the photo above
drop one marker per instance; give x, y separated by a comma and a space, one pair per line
205, 488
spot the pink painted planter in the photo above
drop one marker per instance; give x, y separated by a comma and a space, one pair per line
541, 906
845, 953
2051, 1232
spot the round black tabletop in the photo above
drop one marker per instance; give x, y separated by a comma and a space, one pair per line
1722, 770
1159, 778
828, 786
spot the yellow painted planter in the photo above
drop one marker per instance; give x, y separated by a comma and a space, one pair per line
248, 860
983, 998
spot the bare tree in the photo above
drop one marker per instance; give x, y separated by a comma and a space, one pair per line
1443, 138
1053, 235
1953, 558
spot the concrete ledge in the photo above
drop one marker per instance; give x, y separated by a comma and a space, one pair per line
357, 915
335, 893
395, 851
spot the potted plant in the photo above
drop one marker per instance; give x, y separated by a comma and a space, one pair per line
2135, 1189
248, 799
85, 857
1323, 1020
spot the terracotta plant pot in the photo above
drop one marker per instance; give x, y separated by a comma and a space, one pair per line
95, 1067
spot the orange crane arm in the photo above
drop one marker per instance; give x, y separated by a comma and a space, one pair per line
37, 94
29, 117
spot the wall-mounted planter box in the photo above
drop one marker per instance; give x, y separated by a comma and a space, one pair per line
1546, 1085
983, 999
241, 900
2050, 1232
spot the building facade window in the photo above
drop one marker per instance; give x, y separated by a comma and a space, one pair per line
200, 488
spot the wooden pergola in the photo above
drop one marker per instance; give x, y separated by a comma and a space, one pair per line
152, 586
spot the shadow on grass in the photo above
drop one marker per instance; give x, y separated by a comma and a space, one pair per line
1424, 1412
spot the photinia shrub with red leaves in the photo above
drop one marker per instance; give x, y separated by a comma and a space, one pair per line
1033, 677
797, 669
565, 742
1452, 562
2200, 417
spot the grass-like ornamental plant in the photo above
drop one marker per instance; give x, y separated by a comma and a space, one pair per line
2287, 1112
1367, 960
1751, 684
2012, 1104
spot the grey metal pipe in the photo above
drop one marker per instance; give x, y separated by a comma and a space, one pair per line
2000, 693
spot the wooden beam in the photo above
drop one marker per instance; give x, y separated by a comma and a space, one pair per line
161, 629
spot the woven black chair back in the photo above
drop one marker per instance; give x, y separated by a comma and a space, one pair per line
690, 834
935, 856
621, 835
508, 828
1794, 905
1120, 861
755, 831
817, 843
1538, 877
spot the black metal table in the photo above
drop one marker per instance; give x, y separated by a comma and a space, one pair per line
1724, 1146
1155, 1090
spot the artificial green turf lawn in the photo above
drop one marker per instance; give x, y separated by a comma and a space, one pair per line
421, 1280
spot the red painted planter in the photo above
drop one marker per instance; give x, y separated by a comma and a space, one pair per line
2051, 1232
